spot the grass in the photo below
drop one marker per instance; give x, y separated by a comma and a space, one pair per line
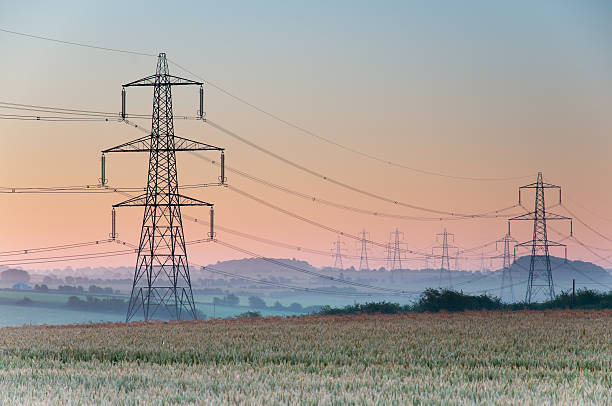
552, 357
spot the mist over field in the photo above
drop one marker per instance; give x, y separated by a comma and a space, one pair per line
66, 296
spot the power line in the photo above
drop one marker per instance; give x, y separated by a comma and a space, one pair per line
265, 112
339, 145
337, 182
16, 117
323, 226
585, 224
28, 251
309, 272
330, 203
589, 210
93, 189
591, 251
588, 277
78, 44
283, 285
62, 258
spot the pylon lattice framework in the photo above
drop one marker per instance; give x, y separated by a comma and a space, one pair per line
396, 262
337, 253
507, 288
363, 257
445, 273
540, 278
161, 276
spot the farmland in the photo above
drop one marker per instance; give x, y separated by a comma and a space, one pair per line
480, 357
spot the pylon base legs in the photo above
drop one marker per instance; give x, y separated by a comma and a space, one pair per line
162, 302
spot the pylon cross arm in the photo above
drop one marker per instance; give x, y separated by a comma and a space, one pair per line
542, 185
184, 144
548, 243
143, 144
167, 80
531, 216
140, 201
137, 145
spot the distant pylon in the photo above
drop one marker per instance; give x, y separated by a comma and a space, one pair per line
337, 253
506, 284
482, 261
445, 274
389, 256
363, 258
397, 257
540, 273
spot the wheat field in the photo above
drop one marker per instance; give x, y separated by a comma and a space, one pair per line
553, 357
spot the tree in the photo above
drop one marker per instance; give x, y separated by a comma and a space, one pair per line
257, 302
232, 300
15, 276
295, 307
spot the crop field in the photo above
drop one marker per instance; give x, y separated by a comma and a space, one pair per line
552, 357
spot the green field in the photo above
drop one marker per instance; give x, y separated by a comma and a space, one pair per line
552, 357
51, 308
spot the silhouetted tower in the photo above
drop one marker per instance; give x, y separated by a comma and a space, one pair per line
540, 272
397, 257
337, 254
456, 261
507, 289
482, 262
161, 277
363, 258
389, 250
445, 274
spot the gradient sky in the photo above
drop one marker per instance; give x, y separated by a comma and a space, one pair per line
475, 88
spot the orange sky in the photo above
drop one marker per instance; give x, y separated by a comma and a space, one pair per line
445, 103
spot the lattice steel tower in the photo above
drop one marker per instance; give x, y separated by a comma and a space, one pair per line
337, 253
161, 277
540, 278
506, 283
397, 253
445, 265
363, 258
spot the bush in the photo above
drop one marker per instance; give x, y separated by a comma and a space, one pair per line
434, 300
228, 300
365, 308
248, 315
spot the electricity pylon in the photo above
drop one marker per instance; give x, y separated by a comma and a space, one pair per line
363, 258
445, 265
337, 253
161, 277
389, 256
540, 273
506, 283
397, 257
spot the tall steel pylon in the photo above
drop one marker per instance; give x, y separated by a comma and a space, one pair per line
363, 258
540, 278
507, 287
161, 277
337, 253
397, 257
445, 273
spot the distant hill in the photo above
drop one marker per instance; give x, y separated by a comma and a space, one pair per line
586, 274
